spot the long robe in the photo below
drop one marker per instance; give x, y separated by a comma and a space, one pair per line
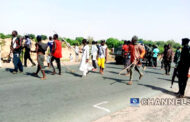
85, 67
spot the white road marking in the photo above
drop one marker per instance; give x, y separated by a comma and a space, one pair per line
102, 108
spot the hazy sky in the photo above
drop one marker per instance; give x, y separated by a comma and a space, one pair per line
101, 19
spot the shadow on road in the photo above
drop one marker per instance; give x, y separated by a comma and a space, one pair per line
111, 67
116, 80
114, 72
31, 74
74, 74
9, 70
159, 89
153, 72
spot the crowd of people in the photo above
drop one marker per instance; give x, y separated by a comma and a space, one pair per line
137, 56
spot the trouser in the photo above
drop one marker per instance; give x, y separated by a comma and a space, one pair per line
167, 66
175, 73
162, 64
76, 57
127, 61
27, 56
182, 83
58, 64
94, 64
134, 67
150, 60
154, 61
17, 62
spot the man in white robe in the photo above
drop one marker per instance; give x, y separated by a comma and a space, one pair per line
84, 65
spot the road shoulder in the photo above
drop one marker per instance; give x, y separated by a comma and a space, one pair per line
174, 113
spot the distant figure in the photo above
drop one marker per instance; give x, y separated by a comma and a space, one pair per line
16, 48
76, 48
155, 55
27, 46
176, 61
183, 67
102, 56
163, 56
56, 53
126, 54
71, 57
40, 50
137, 53
48, 60
50, 45
112, 49
94, 52
84, 65
168, 59
150, 54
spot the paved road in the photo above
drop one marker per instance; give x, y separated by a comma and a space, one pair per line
70, 98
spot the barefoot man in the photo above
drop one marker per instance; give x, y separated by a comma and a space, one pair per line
56, 53
40, 50
137, 52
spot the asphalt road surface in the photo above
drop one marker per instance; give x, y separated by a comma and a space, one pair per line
70, 98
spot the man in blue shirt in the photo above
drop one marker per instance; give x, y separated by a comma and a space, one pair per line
50, 45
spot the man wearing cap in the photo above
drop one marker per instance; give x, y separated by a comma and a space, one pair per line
137, 52
183, 67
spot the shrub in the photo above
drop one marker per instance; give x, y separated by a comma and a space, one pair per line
113, 42
44, 37
31, 36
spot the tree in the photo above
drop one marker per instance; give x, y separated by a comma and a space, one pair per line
31, 36
79, 40
44, 37
2, 36
113, 42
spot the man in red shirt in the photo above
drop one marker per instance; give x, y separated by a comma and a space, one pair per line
56, 53
126, 54
137, 52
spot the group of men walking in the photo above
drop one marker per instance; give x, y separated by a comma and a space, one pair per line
41, 48
98, 52
133, 53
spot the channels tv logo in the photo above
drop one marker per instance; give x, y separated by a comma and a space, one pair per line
134, 101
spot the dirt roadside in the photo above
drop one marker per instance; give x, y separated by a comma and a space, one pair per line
172, 113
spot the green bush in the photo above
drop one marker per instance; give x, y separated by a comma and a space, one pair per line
44, 37
31, 36
113, 42
3, 36
79, 40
